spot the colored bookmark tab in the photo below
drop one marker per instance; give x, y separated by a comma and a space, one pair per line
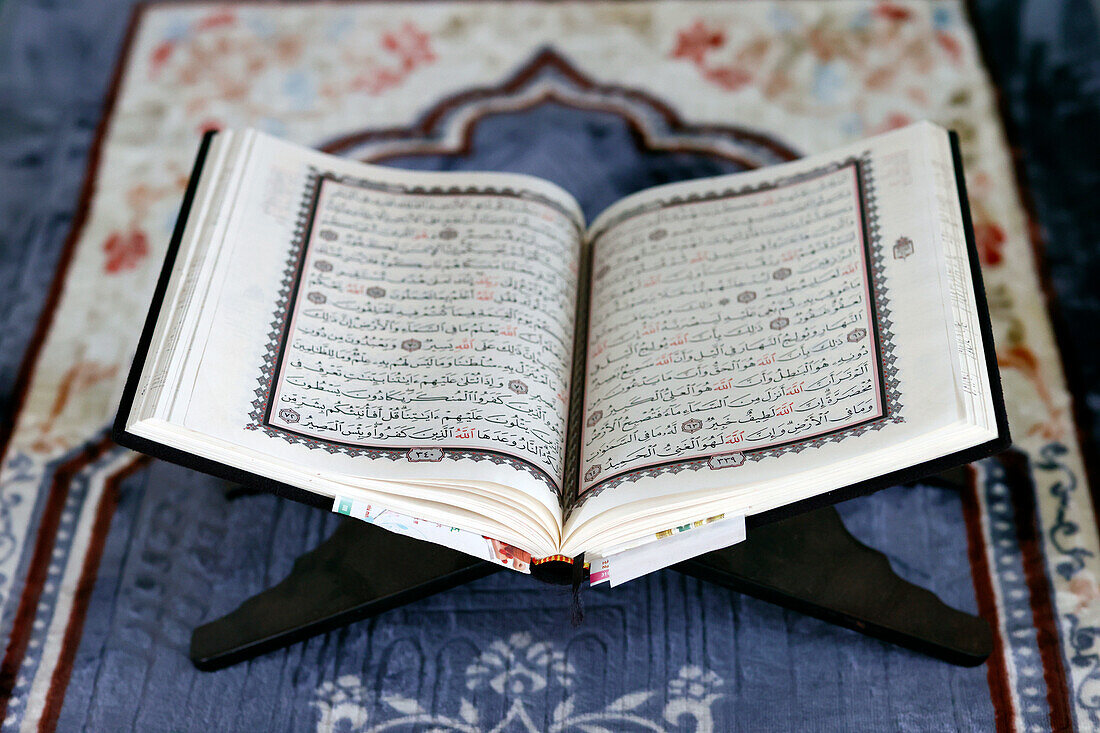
471, 543
687, 542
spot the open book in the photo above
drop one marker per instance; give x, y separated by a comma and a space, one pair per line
461, 358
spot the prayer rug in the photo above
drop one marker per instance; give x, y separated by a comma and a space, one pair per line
108, 560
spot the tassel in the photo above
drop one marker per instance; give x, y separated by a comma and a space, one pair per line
561, 570
577, 607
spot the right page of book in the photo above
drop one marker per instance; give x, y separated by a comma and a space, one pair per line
759, 338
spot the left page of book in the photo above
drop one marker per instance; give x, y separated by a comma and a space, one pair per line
400, 338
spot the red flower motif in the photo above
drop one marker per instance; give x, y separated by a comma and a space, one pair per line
695, 41
990, 239
410, 44
951, 45
160, 55
890, 11
730, 78
209, 125
213, 20
893, 121
376, 81
125, 250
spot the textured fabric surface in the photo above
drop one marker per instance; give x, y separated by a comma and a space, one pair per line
107, 563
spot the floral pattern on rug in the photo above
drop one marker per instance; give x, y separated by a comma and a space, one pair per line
518, 671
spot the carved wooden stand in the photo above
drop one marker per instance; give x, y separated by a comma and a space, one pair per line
808, 563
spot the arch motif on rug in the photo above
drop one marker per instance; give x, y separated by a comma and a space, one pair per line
447, 128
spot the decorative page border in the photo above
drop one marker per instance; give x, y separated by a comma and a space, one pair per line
881, 326
287, 301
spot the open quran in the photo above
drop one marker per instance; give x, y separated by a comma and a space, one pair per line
460, 357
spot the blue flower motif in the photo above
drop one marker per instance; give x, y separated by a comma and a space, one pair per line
783, 20
299, 87
941, 18
830, 79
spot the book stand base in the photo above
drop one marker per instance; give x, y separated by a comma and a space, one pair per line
808, 563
